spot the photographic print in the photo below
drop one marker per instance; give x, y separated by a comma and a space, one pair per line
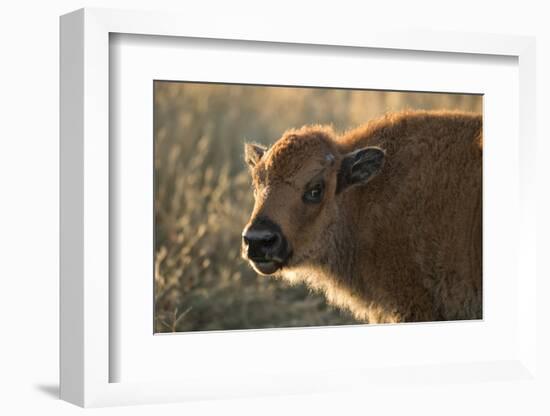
279, 207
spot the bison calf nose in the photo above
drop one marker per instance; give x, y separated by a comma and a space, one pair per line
262, 245
265, 246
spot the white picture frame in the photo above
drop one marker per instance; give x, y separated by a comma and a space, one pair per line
86, 355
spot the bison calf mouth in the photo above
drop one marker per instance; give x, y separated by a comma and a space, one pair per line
265, 267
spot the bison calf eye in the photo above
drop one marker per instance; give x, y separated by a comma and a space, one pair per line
314, 194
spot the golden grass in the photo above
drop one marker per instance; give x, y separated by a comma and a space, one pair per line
203, 197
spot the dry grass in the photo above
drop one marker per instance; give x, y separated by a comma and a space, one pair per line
203, 198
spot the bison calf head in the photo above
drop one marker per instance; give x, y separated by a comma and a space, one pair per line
299, 185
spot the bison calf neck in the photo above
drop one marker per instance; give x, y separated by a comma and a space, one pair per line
384, 219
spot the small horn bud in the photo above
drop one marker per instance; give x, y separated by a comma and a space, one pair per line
329, 158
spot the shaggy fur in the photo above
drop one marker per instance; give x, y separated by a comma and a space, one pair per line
406, 246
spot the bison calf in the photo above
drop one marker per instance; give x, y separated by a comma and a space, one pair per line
384, 219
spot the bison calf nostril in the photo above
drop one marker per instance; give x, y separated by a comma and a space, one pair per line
270, 241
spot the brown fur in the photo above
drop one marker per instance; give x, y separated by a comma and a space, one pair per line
406, 246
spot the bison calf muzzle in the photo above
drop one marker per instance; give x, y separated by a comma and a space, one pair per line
265, 246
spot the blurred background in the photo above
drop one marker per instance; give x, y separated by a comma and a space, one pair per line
203, 197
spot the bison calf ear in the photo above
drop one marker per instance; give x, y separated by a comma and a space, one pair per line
359, 167
253, 153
